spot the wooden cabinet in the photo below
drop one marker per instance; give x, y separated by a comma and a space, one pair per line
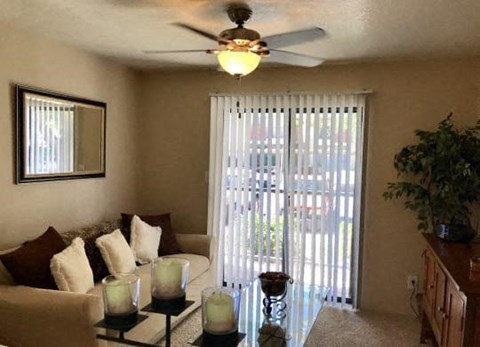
451, 301
439, 306
454, 317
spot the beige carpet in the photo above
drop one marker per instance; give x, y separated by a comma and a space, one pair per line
335, 328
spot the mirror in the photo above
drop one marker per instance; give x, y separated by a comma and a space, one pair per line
58, 136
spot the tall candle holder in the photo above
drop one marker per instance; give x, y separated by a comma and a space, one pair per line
220, 310
169, 280
121, 296
274, 286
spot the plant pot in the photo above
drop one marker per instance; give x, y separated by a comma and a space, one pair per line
454, 233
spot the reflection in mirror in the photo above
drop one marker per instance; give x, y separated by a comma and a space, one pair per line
59, 137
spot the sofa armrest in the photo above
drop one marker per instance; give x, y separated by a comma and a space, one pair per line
43, 317
197, 244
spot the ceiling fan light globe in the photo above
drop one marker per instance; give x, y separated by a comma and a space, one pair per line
238, 63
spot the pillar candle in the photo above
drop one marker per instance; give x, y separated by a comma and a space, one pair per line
220, 313
168, 279
119, 299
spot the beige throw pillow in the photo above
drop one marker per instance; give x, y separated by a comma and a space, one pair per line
144, 240
116, 253
71, 270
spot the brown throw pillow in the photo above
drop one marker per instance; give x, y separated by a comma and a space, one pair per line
99, 268
168, 241
29, 265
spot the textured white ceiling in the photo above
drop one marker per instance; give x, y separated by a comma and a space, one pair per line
356, 30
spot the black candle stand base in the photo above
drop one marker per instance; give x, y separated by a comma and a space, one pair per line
122, 329
168, 307
175, 304
211, 340
121, 323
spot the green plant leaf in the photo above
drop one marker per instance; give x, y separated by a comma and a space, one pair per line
439, 175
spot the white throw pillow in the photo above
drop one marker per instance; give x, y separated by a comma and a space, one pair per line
71, 270
116, 253
144, 240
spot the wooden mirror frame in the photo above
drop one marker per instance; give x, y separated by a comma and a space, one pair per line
21, 176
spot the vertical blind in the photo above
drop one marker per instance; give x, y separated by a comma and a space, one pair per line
49, 136
284, 190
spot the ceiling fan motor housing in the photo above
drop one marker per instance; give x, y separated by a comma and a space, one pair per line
239, 13
239, 34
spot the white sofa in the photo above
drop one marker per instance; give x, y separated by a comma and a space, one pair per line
41, 317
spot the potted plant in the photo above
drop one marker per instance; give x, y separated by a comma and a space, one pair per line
441, 179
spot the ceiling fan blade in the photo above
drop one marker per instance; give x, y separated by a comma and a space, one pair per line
202, 32
181, 51
294, 37
291, 58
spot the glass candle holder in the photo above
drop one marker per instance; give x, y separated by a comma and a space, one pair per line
169, 281
121, 295
220, 309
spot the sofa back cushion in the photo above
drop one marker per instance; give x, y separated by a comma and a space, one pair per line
168, 242
29, 265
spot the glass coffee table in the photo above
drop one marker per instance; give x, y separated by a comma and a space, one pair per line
291, 319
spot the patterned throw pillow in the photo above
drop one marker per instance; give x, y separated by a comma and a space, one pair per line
168, 242
94, 229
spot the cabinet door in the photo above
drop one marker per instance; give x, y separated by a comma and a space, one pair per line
439, 307
454, 318
429, 282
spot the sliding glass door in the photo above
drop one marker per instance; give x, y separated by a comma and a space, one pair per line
285, 187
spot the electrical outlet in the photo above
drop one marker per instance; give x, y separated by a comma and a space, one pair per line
412, 282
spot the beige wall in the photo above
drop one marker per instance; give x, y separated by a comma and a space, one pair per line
172, 152
175, 140
26, 210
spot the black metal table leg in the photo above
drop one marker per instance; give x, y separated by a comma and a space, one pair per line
167, 335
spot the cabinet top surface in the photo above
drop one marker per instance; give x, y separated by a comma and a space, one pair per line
455, 260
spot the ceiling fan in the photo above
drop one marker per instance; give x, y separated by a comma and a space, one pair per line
240, 49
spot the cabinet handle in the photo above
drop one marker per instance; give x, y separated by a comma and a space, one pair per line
431, 286
445, 316
439, 309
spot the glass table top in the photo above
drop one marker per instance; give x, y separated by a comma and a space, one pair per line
290, 322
